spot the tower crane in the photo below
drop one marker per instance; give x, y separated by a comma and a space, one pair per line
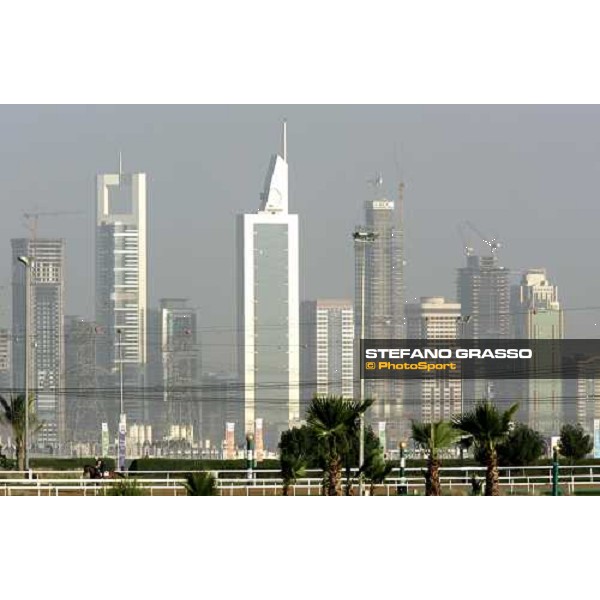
32, 218
493, 243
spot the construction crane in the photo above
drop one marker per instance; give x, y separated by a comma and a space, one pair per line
493, 244
33, 217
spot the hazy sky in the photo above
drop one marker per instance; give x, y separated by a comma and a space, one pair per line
525, 174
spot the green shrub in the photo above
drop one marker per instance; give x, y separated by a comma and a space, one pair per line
125, 487
200, 484
187, 464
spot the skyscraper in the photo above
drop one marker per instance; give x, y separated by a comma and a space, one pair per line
536, 315
380, 266
483, 293
430, 398
47, 352
85, 406
180, 354
121, 283
268, 315
327, 348
5, 361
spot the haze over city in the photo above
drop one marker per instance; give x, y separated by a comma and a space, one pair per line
526, 175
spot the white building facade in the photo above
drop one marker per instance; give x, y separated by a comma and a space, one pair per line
121, 281
268, 313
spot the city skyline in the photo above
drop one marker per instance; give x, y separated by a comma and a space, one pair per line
512, 147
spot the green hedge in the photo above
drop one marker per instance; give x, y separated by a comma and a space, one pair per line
186, 464
66, 464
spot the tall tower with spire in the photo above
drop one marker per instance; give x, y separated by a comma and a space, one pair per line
268, 307
121, 283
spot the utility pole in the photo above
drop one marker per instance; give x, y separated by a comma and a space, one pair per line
362, 238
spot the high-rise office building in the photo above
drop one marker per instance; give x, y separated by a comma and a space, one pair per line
483, 291
121, 285
46, 314
5, 363
536, 315
180, 358
379, 265
432, 398
86, 408
327, 349
484, 295
268, 296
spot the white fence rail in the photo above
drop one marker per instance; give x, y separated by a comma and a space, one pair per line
528, 480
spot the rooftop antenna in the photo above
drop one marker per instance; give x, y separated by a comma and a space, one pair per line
284, 140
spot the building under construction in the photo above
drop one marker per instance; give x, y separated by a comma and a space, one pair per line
379, 267
484, 294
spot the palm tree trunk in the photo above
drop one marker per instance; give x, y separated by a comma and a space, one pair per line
435, 487
286, 488
325, 483
20, 451
335, 477
492, 481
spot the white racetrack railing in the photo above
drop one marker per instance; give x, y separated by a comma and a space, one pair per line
268, 482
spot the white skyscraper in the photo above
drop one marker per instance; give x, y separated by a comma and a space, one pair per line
121, 280
268, 312
327, 348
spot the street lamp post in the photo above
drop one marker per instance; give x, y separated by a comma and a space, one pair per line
362, 238
402, 487
249, 454
122, 428
27, 262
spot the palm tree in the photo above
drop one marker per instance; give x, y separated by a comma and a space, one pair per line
295, 447
488, 427
292, 469
432, 439
376, 469
334, 420
13, 414
200, 484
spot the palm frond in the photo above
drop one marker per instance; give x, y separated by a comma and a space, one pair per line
486, 424
433, 438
